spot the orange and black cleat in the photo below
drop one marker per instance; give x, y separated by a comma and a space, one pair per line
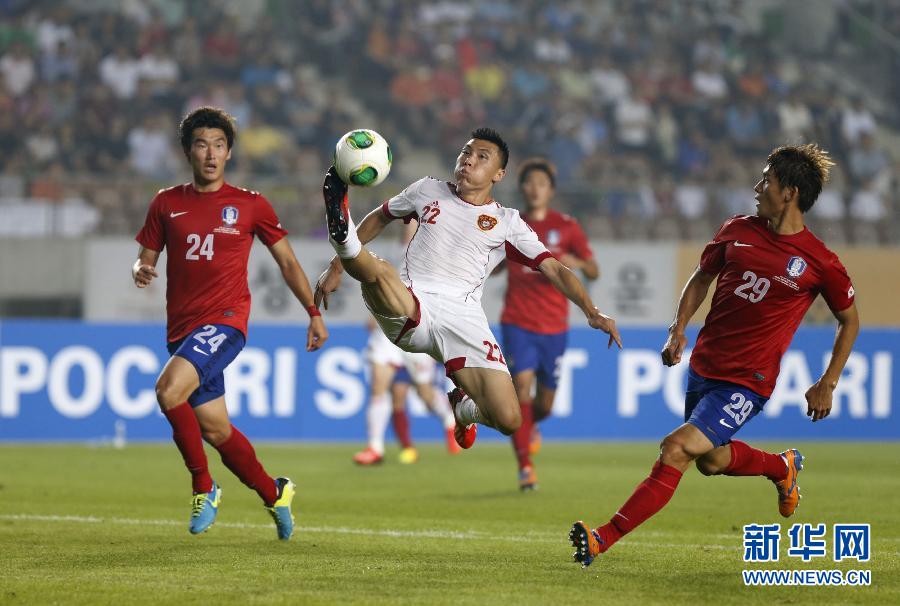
788, 489
586, 542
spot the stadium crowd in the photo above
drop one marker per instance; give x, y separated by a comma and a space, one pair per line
657, 131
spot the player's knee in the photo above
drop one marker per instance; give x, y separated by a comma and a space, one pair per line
167, 394
672, 452
215, 435
508, 421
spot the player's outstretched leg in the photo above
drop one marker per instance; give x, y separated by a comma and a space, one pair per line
738, 458
485, 396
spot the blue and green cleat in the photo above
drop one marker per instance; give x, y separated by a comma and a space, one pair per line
281, 508
204, 507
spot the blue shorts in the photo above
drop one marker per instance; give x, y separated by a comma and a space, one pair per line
719, 408
526, 350
402, 376
210, 349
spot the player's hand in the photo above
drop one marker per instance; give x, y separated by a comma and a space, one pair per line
819, 400
316, 334
328, 282
607, 325
143, 274
674, 347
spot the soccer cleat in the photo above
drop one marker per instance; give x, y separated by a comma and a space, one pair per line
337, 206
788, 489
368, 457
452, 447
527, 479
586, 542
281, 508
204, 507
408, 456
534, 440
464, 435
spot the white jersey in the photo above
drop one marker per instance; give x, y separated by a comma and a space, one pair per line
458, 244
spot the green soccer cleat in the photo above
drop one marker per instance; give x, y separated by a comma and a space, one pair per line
204, 507
281, 508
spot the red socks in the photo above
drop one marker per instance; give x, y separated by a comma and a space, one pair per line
649, 497
239, 457
401, 428
749, 461
522, 437
186, 433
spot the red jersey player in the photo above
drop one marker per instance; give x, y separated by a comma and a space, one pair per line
535, 318
770, 268
207, 227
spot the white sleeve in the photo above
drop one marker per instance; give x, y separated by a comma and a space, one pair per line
522, 244
403, 205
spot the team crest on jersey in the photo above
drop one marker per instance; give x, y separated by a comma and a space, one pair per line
229, 215
553, 237
796, 266
486, 222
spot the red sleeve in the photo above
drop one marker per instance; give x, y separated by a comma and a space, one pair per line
712, 260
837, 289
153, 233
268, 228
514, 254
580, 245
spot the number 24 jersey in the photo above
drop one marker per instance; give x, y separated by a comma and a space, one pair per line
766, 283
207, 236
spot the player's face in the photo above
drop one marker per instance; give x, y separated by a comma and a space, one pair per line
208, 154
771, 198
478, 165
537, 189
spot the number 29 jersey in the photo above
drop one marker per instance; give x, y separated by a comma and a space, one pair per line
766, 283
207, 236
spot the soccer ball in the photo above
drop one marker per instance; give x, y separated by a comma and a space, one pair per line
362, 157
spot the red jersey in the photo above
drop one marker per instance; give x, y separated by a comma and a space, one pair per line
208, 238
531, 301
766, 283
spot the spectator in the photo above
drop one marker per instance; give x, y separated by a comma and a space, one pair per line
120, 71
17, 68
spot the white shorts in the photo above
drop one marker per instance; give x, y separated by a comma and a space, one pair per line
380, 350
453, 332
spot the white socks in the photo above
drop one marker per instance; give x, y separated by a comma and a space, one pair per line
467, 412
441, 407
378, 416
351, 248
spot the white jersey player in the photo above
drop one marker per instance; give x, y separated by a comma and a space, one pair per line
435, 306
386, 363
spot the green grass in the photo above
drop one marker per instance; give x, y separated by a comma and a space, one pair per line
446, 530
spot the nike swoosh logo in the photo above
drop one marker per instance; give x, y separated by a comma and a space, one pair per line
741, 244
198, 350
173, 215
721, 421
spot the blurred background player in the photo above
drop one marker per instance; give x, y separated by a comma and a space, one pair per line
207, 228
392, 371
535, 318
770, 269
435, 307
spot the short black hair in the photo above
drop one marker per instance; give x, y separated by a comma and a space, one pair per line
489, 134
532, 164
206, 117
805, 167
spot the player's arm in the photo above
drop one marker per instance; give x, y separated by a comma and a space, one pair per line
692, 296
819, 396
295, 278
588, 267
330, 279
144, 268
566, 282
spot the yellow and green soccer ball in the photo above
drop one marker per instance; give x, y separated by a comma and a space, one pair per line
362, 157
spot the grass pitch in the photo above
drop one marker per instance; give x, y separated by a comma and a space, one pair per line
83, 525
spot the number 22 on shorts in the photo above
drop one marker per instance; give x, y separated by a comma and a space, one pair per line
491, 349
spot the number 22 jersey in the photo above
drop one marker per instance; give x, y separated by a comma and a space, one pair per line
207, 236
766, 282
